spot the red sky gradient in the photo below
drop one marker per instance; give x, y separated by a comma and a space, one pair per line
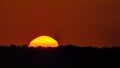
78, 22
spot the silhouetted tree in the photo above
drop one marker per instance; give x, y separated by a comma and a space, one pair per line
25, 46
12, 45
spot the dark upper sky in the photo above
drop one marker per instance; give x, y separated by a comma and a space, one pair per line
79, 22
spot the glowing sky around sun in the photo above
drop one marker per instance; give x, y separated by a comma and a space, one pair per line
78, 22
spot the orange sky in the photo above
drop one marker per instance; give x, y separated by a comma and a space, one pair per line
78, 22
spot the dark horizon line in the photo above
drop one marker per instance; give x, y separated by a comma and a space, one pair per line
68, 45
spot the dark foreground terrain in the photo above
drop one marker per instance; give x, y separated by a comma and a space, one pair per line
61, 57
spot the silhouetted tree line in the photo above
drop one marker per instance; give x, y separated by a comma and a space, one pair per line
61, 57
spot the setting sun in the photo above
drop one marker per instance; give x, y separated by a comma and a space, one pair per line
44, 41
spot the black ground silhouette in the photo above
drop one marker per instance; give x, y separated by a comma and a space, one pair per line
61, 57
